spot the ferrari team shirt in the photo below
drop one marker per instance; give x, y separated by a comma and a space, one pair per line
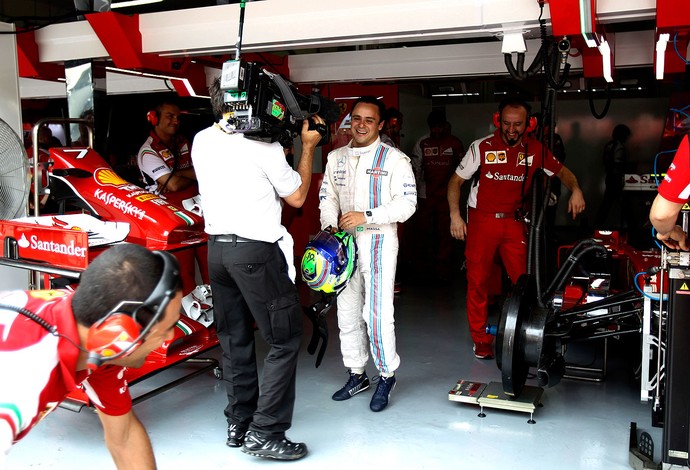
676, 184
38, 368
503, 173
155, 160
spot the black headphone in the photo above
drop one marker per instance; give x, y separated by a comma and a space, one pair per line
119, 333
531, 120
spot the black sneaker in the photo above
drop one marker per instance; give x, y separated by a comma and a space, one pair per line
382, 394
279, 449
355, 384
236, 435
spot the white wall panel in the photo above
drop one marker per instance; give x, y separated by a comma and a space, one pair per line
10, 112
276, 25
68, 41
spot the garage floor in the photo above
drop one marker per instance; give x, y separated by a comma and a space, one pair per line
582, 425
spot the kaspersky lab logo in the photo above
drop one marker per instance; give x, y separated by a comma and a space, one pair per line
107, 177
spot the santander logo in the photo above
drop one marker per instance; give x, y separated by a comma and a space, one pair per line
35, 243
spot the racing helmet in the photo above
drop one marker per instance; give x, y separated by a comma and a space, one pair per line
329, 261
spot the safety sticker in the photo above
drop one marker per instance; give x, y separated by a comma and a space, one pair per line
686, 207
684, 289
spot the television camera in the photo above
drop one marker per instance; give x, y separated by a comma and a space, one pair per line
266, 107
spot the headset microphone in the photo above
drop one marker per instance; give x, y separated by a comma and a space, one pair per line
119, 333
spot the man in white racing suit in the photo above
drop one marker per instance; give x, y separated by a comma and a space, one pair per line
368, 187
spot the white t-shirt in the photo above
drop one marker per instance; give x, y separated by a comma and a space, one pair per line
241, 183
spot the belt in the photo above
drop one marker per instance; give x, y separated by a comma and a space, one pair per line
495, 215
232, 238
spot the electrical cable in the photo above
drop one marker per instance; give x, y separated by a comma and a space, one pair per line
52, 329
656, 240
551, 70
641, 291
656, 157
675, 46
590, 98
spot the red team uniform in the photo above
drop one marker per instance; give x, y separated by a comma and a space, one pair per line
52, 360
502, 175
440, 157
155, 159
676, 184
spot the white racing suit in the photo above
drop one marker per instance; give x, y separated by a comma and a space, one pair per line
377, 180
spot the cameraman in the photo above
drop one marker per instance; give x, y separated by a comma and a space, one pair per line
241, 183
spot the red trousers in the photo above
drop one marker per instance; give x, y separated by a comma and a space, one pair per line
187, 258
487, 236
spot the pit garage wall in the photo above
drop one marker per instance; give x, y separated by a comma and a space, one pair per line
583, 135
10, 112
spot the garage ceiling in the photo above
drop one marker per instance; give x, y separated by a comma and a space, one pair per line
329, 42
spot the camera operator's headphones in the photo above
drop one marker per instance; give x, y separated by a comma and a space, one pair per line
153, 117
532, 122
120, 333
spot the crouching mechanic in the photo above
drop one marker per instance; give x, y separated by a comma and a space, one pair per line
85, 339
368, 187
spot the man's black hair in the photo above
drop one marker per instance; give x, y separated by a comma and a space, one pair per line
515, 101
436, 118
392, 113
159, 107
621, 133
123, 272
375, 101
217, 99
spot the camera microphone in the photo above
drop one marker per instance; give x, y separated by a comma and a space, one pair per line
330, 112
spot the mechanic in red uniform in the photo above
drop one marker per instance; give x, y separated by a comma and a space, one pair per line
39, 368
165, 163
441, 153
501, 167
45, 141
674, 193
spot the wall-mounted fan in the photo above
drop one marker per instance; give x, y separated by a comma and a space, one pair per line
15, 178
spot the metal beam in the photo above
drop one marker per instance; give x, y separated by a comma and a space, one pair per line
453, 60
276, 25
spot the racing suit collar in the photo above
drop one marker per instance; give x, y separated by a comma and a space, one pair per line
357, 151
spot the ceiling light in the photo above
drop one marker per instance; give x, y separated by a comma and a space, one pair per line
605, 51
185, 82
513, 42
451, 95
661, 55
132, 3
